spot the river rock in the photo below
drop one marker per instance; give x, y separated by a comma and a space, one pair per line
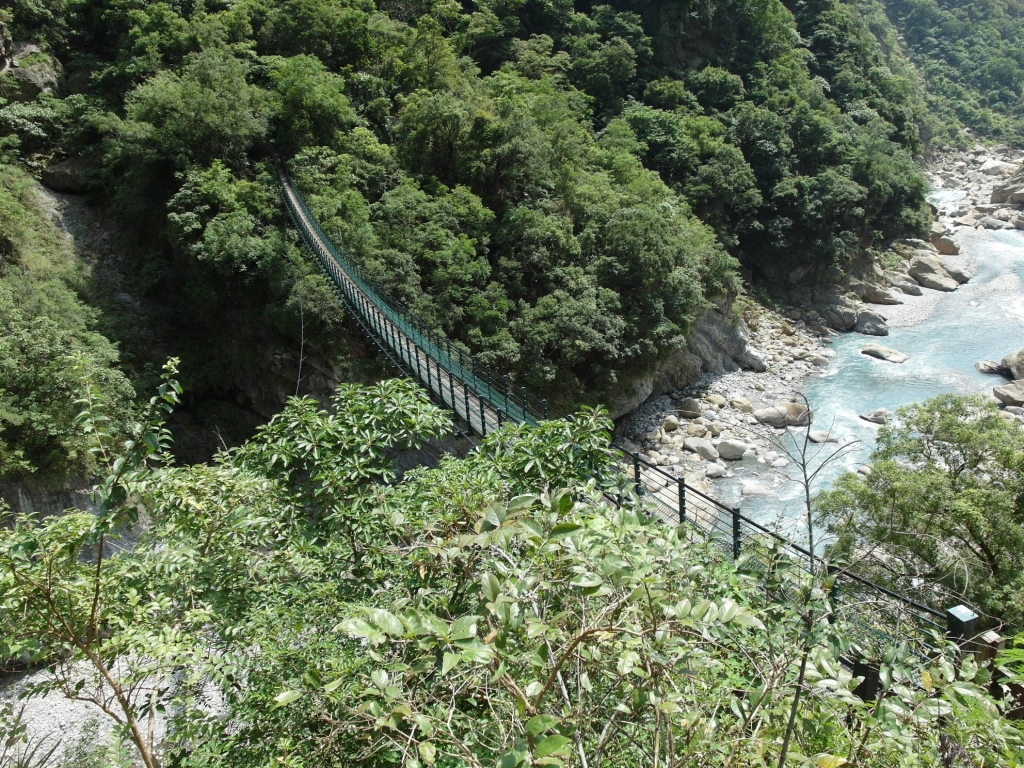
690, 408
871, 323
696, 429
820, 436
816, 359
714, 471
742, 404
716, 399
1014, 363
779, 463
877, 416
732, 449
784, 415
990, 222
872, 294
911, 289
670, 423
1011, 393
930, 273
966, 221
883, 353
992, 367
755, 489
947, 245
959, 274
701, 447
993, 167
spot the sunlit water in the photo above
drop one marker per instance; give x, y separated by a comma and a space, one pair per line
981, 320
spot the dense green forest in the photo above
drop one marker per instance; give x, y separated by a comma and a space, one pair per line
971, 59
561, 189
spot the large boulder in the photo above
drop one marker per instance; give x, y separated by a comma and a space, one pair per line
31, 73
690, 408
958, 273
947, 245
670, 423
930, 273
701, 447
993, 368
784, 415
732, 449
1014, 363
877, 416
1011, 393
884, 353
993, 167
909, 288
872, 294
990, 222
74, 175
871, 323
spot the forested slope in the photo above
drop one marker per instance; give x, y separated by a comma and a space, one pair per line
971, 58
561, 189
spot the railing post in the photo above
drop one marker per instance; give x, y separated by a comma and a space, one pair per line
465, 401
736, 544
961, 626
522, 394
506, 392
636, 474
483, 418
867, 689
681, 485
500, 412
544, 408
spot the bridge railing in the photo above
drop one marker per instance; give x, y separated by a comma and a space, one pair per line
881, 615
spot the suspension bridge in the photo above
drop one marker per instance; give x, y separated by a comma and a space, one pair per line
484, 400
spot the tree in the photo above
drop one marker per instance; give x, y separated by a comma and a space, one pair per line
941, 508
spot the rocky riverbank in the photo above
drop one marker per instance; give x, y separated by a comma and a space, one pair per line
702, 432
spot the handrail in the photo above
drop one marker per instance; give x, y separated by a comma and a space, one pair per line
484, 400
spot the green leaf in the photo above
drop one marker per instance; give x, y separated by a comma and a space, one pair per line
746, 619
387, 621
587, 580
285, 698
464, 627
551, 745
333, 686
490, 586
538, 724
562, 530
450, 661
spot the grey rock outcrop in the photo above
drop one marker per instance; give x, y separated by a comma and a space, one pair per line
1014, 363
930, 273
992, 367
1011, 191
990, 222
74, 175
1011, 393
947, 246
871, 323
718, 343
31, 73
959, 274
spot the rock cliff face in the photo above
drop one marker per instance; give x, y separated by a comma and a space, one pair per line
718, 343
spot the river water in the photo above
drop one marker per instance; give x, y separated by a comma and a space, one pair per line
943, 334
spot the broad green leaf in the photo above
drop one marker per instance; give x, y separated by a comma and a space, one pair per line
746, 619
551, 745
562, 530
825, 760
285, 698
449, 662
333, 686
538, 724
386, 621
587, 580
490, 586
464, 627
